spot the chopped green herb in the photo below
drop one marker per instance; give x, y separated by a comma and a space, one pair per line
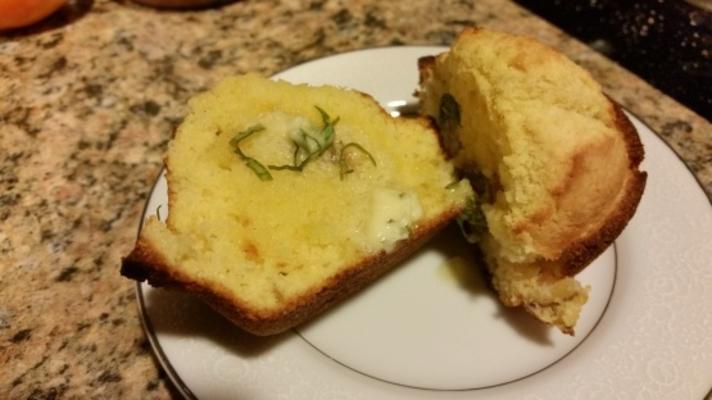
259, 169
448, 123
306, 148
295, 167
158, 212
325, 118
295, 156
452, 185
306, 138
234, 142
250, 162
344, 167
472, 221
285, 166
483, 186
327, 132
311, 147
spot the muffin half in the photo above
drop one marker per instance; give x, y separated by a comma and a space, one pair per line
285, 199
553, 160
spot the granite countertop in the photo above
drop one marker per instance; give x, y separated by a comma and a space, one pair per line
89, 102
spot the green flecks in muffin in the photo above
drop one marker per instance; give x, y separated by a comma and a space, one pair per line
448, 122
472, 221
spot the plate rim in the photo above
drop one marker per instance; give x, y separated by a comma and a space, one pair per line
184, 390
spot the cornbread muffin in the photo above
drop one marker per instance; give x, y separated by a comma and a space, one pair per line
285, 199
554, 161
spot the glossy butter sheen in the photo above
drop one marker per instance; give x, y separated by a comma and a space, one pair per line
394, 212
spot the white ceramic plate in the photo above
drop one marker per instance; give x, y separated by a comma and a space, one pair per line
430, 330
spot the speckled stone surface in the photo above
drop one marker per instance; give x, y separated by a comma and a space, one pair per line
88, 102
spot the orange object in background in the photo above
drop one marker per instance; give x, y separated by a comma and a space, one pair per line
18, 13
182, 3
